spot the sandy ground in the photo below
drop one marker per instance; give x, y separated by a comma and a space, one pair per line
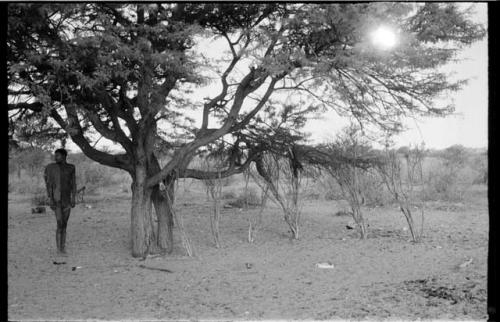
382, 277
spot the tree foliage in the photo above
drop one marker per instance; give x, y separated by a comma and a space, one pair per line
127, 72
117, 69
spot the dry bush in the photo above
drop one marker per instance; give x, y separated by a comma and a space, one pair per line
177, 216
348, 164
90, 174
26, 169
448, 184
402, 175
215, 162
442, 185
315, 189
374, 193
312, 195
332, 189
479, 164
283, 178
32, 160
255, 222
228, 181
94, 176
453, 173
27, 186
229, 195
372, 189
40, 198
347, 178
247, 198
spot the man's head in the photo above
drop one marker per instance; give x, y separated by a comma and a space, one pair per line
60, 155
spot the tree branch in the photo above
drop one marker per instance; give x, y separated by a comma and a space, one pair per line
240, 125
231, 170
106, 132
73, 128
35, 107
113, 110
117, 15
127, 110
213, 102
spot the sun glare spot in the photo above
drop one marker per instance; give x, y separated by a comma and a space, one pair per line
384, 38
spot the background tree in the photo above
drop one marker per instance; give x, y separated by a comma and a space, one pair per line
30, 140
31, 159
480, 162
126, 71
450, 180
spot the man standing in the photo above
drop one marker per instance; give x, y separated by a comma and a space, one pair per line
61, 190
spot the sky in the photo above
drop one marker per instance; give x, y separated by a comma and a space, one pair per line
467, 126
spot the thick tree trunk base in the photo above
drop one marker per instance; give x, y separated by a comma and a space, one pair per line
163, 209
142, 233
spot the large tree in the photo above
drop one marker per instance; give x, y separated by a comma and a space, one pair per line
126, 72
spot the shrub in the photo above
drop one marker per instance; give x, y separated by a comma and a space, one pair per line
342, 213
447, 184
39, 197
32, 160
331, 188
94, 176
250, 199
374, 191
228, 181
27, 186
229, 195
334, 194
312, 195
452, 172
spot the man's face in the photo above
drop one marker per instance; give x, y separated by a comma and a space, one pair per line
59, 157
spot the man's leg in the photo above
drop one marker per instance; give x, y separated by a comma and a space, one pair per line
59, 217
65, 217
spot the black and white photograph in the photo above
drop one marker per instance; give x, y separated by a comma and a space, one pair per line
247, 161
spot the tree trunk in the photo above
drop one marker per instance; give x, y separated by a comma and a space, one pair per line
214, 222
256, 222
360, 221
163, 209
141, 224
292, 219
409, 218
163, 202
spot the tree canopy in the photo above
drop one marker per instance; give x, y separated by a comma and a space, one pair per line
118, 69
127, 72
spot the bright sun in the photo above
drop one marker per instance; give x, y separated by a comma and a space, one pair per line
384, 38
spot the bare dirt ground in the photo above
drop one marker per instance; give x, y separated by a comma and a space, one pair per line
382, 277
